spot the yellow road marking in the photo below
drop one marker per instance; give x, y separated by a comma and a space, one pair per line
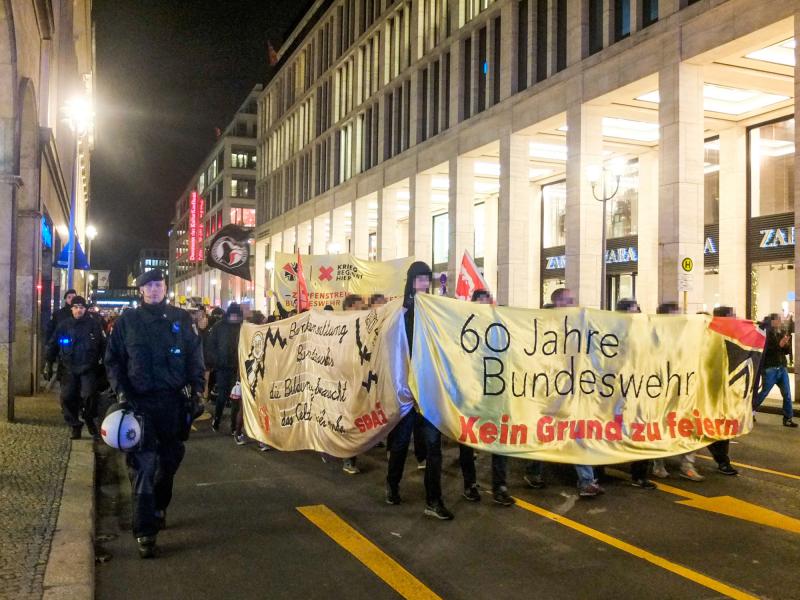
375, 559
726, 505
755, 468
659, 561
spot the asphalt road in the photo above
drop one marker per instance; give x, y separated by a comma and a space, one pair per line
235, 531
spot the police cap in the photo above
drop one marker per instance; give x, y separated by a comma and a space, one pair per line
148, 276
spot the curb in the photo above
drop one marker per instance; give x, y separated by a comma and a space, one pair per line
70, 566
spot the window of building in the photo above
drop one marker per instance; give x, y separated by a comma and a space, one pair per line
522, 45
472, 8
243, 159
622, 19
649, 12
554, 214
542, 39
561, 35
494, 69
483, 69
441, 240
711, 181
243, 188
467, 96
622, 212
595, 26
772, 168
246, 217
372, 249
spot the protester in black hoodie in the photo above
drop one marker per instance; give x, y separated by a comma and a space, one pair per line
418, 281
223, 356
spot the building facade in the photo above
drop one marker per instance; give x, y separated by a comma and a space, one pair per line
221, 193
151, 258
428, 127
46, 64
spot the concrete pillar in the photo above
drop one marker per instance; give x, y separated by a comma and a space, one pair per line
667, 7
733, 218
337, 232
584, 214
796, 192
319, 234
460, 209
490, 217
509, 49
260, 279
387, 224
513, 228
680, 216
647, 227
577, 31
359, 237
419, 218
534, 256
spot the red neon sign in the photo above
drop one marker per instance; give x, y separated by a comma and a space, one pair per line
196, 213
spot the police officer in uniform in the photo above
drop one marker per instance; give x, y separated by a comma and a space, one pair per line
78, 343
155, 365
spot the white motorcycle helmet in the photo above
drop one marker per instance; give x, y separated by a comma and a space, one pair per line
121, 428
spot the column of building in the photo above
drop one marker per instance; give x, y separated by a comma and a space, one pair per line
732, 246
419, 217
461, 209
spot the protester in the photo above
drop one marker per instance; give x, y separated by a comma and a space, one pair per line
688, 468
778, 346
534, 472
352, 302
466, 455
61, 314
418, 281
376, 300
78, 343
152, 355
223, 356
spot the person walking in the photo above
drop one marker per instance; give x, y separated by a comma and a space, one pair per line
352, 302
154, 362
778, 346
78, 343
466, 455
223, 357
418, 281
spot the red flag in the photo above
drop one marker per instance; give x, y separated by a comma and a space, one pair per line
303, 303
272, 56
469, 278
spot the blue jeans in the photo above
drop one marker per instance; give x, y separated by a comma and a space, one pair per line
776, 376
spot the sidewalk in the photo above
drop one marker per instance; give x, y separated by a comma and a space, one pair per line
774, 403
46, 501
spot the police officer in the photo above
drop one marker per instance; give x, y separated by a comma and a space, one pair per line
78, 343
153, 355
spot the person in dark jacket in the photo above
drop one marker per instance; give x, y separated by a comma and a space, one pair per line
78, 343
154, 362
61, 314
773, 363
223, 357
418, 280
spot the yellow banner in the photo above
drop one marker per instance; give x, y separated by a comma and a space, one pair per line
331, 277
579, 385
333, 382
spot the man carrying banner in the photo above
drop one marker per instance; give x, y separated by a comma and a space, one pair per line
418, 280
466, 455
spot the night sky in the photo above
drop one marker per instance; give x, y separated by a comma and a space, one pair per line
168, 73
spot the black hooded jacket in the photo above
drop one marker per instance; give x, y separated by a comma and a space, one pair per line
78, 343
223, 344
416, 269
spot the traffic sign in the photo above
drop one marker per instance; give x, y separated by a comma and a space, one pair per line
687, 264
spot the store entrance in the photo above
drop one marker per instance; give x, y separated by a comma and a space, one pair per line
619, 285
772, 289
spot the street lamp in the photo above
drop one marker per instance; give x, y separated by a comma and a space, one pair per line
79, 116
599, 175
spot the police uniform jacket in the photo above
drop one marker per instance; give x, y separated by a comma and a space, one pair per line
77, 343
154, 348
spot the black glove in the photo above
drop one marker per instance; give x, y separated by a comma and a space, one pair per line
197, 408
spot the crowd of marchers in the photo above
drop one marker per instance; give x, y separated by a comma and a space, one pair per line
161, 365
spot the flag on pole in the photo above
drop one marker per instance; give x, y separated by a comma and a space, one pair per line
303, 303
469, 278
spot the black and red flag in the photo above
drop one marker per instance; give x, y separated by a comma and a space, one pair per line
229, 251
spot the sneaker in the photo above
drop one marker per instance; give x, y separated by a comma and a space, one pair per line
76, 432
645, 484
147, 546
534, 481
392, 495
421, 465
262, 447
439, 511
590, 490
161, 519
789, 423
215, 425
727, 469
692, 475
350, 467
661, 472
240, 439
502, 498
472, 494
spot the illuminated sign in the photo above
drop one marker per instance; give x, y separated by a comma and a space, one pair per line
776, 237
196, 213
710, 246
613, 256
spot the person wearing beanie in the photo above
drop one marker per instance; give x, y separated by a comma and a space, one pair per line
418, 281
223, 357
78, 343
62, 314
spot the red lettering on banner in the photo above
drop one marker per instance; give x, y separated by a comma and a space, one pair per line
488, 433
468, 430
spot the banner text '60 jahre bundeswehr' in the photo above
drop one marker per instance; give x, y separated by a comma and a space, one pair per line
580, 385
